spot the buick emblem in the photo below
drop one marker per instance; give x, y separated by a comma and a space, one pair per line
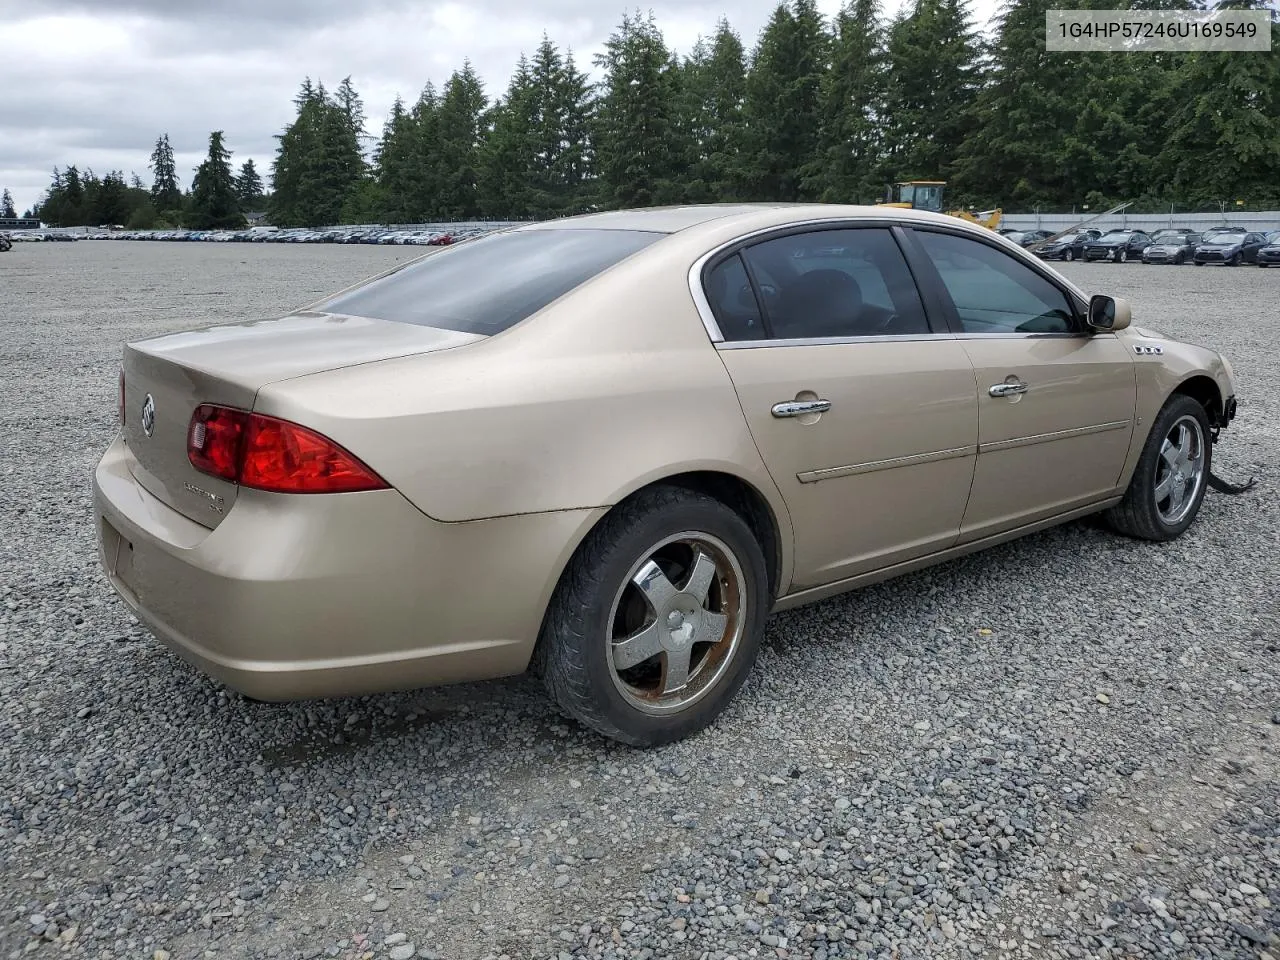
149, 415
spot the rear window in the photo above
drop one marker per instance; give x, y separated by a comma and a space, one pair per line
485, 286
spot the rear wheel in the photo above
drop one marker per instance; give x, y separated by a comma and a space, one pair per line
1169, 482
658, 619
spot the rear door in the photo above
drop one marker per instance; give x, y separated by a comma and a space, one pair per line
1056, 403
864, 414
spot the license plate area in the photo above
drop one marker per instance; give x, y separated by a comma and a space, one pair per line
117, 557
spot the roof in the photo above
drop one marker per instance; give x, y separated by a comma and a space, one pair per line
656, 219
676, 219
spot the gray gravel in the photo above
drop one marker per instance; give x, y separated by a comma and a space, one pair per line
1065, 747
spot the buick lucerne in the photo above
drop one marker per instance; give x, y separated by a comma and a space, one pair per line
605, 448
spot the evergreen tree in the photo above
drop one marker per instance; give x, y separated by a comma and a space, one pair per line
109, 201
934, 75
574, 168
510, 152
6, 204
165, 192
319, 163
1224, 140
249, 186
846, 167
393, 164
422, 171
214, 204
637, 137
456, 157
720, 89
782, 102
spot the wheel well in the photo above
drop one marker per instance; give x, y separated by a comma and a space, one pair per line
745, 500
1205, 392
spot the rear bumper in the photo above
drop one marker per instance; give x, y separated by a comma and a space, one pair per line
294, 597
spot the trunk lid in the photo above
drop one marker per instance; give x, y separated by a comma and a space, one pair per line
171, 375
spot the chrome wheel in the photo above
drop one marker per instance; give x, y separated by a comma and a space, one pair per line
1180, 470
676, 623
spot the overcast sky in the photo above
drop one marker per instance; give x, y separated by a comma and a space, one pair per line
94, 82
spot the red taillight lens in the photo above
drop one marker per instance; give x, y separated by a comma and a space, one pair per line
213, 440
271, 454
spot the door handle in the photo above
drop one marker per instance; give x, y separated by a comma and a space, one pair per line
1007, 389
798, 408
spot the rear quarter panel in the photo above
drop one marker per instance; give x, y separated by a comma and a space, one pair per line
613, 387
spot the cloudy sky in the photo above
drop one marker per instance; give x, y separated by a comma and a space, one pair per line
94, 82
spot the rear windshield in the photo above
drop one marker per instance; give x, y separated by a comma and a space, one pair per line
487, 285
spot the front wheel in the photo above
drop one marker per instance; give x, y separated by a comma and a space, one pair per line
1122, 255
658, 618
1069, 255
1169, 482
1179, 259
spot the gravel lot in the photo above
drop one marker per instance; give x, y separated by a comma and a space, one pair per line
1065, 747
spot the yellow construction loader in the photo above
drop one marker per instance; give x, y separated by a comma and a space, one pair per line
927, 195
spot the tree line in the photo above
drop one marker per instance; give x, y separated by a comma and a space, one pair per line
818, 110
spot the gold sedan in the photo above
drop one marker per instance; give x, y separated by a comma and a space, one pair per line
607, 447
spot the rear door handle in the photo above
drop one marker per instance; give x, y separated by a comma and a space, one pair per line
1007, 389
798, 408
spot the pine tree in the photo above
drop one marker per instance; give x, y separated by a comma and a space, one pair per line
1019, 151
782, 102
845, 169
721, 86
1224, 140
510, 152
422, 184
108, 200
6, 204
249, 186
214, 204
319, 163
636, 133
574, 168
457, 153
934, 75
165, 192
392, 163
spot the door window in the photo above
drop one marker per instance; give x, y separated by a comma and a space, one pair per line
993, 292
832, 283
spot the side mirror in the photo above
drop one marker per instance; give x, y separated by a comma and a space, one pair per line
1109, 313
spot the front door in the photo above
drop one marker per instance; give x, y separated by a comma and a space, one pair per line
865, 417
1056, 404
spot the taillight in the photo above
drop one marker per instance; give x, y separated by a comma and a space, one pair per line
120, 403
267, 453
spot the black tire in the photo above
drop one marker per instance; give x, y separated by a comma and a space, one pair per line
1137, 515
1261, 264
1198, 263
1122, 255
1234, 261
574, 653
1068, 255
1179, 259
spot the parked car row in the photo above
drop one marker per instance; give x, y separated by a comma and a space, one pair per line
421, 237
1229, 246
37, 236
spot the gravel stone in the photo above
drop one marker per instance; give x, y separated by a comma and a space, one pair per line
923, 768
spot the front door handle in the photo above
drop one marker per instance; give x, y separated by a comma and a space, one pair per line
798, 408
1007, 389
